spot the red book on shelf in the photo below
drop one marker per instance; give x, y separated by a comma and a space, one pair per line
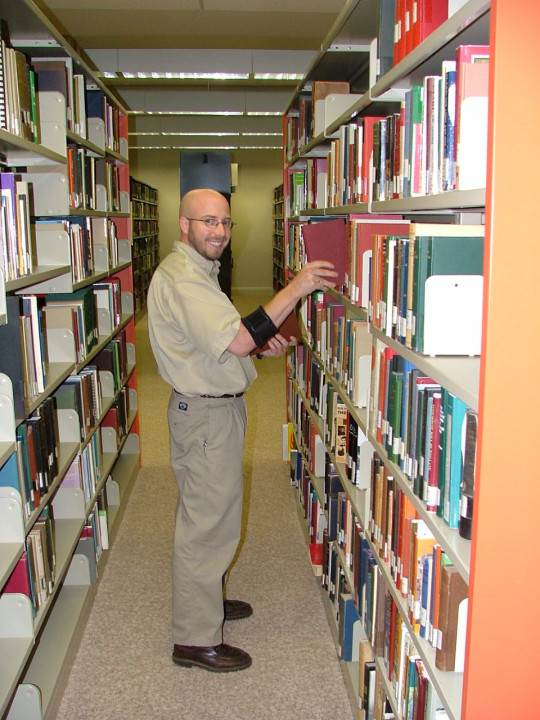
19, 580
429, 15
432, 491
288, 328
327, 240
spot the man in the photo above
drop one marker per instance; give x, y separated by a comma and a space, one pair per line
202, 348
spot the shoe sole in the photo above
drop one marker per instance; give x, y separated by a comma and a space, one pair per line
238, 617
194, 663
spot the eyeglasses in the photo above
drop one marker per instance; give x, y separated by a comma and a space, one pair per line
212, 222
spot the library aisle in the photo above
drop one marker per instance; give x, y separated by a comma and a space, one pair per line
123, 667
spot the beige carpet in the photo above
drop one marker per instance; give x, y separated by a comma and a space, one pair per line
123, 669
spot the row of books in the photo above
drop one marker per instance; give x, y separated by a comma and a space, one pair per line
419, 566
143, 192
84, 102
117, 416
17, 246
437, 141
341, 342
422, 283
415, 695
95, 535
372, 632
414, 21
23, 77
33, 467
146, 262
144, 210
348, 243
427, 287
18, 105
85, 472
24, 347
87, 312
17, 253
94, 183
143, 227
428, 432
35, 572
434, 142
82, 393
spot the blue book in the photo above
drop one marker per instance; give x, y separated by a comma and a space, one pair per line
455, 432
426, 597
448, 174
408, 367
348, 627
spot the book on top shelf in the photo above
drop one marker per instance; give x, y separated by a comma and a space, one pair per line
472, 81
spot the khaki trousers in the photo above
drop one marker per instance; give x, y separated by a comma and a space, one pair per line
207, 443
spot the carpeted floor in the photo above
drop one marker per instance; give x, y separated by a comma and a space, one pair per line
123, 669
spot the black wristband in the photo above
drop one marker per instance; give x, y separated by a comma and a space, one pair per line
259, 326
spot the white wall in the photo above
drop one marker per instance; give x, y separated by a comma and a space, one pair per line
259, 172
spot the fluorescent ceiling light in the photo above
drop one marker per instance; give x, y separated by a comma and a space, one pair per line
184, 76
203, 147
263, 114
200, 134
261, 134
191, 112
278, 76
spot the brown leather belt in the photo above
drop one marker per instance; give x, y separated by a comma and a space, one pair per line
217, 397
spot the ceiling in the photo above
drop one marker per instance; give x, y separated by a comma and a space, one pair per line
244, 37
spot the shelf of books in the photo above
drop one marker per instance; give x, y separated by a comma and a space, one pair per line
406, 422
69, 438
278, 257
145, 222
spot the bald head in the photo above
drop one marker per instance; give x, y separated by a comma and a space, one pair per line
195, 207
195, 203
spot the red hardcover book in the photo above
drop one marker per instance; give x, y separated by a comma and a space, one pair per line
288, 328
432, 487
399, 32
429, 15
420, 689
327, 240
19, 580
363, 228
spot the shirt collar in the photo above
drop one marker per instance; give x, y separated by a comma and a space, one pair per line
211, 267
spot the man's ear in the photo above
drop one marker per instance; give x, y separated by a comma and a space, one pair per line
184, 224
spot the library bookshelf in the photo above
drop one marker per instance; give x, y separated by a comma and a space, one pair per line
278, 257
69, 450
495, 561
145, 225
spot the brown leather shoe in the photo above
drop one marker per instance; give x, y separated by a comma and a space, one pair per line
237, 609
220, 658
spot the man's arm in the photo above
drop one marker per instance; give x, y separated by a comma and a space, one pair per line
316, 275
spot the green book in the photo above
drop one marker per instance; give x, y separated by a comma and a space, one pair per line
442, 250
394, 415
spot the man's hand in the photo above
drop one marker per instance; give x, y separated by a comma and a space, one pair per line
315, 275
277, 345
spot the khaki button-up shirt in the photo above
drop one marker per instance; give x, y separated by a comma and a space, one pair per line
191, 323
